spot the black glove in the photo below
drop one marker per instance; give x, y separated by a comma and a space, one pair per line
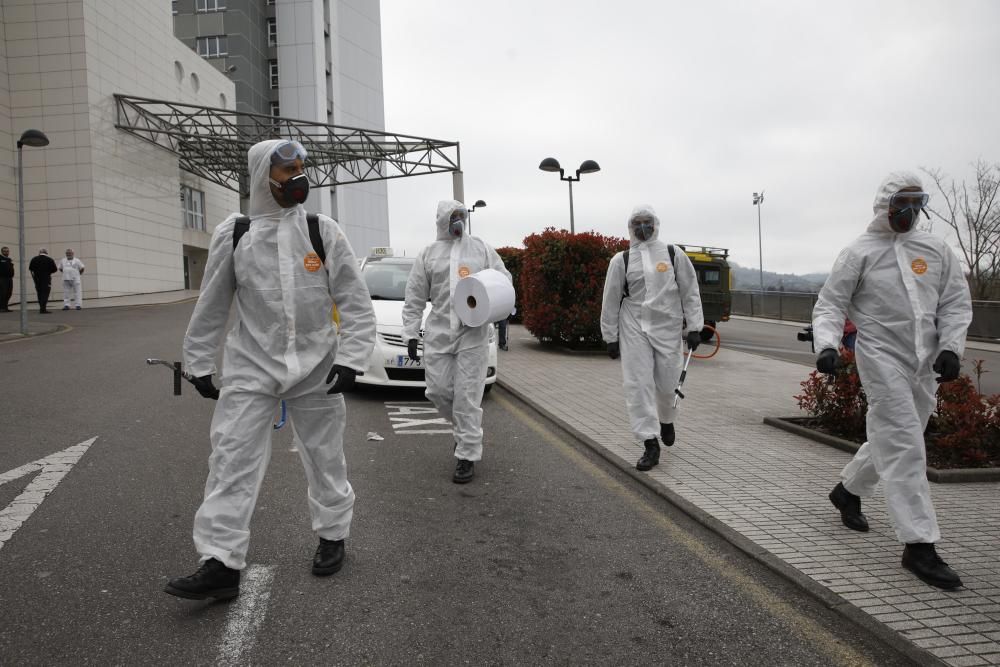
342, 378
614, 351
693, 339
206, 387
411, 349
948, 365
827, 360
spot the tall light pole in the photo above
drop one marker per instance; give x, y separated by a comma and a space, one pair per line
758, 199
586, 167
35, 139
479, 204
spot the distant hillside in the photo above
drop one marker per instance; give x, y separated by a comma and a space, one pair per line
749, 279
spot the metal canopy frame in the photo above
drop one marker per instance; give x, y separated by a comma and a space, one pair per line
212, 143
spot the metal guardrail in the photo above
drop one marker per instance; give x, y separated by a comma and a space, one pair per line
798, 307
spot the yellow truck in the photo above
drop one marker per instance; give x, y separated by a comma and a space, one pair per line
715, 283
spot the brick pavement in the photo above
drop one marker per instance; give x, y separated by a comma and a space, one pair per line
770, 487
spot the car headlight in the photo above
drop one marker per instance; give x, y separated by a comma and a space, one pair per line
493, 333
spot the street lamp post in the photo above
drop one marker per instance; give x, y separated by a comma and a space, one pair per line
35, 139
479, 204
758, 199
586, 167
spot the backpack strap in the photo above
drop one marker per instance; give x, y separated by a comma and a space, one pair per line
625, 293
315, 236
243, 225
239, 229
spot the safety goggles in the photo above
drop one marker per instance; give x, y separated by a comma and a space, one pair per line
457, 216
288, 151
904, 200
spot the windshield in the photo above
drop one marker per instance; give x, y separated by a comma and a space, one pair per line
386, 278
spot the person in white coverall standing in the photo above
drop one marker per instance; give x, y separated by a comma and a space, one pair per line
455, 355
287, 271
651, 305
905, 291
72, 269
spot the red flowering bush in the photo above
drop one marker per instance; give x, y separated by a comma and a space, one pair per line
562, 285
964, 432
837, 405
512, 260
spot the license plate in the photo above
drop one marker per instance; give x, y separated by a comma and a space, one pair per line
402, 361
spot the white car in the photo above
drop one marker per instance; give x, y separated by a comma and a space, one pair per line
390, 366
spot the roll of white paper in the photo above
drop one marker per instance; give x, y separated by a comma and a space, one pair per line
483, 297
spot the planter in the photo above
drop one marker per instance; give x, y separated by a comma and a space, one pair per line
950, 476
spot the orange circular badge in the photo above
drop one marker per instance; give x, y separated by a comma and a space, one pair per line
919, 266
662, 267
312, 262
463, 272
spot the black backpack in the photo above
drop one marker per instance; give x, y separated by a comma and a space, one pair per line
670, 249
243, 224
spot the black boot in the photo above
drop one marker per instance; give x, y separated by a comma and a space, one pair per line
464, 472
850, 508
921, 559
667, 434
212, 580
329, 557
652, 455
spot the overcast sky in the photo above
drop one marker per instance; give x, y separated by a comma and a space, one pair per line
690, 107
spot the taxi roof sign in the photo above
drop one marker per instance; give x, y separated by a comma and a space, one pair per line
381, 251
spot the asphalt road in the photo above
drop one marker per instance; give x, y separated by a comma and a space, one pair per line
778, 341
550, 556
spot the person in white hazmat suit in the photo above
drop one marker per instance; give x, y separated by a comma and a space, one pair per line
283, 345
455, 355
905, 291
649, 309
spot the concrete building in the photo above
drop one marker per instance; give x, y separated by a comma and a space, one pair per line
314, 60
112, 197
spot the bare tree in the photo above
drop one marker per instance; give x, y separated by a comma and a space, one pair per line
973, 212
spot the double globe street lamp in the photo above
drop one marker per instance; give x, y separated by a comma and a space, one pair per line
586, 167
34, 139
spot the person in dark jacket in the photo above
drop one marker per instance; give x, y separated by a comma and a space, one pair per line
6, 278
41, 268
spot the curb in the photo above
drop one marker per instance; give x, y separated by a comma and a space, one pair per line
941, 476
827, 597
17, 337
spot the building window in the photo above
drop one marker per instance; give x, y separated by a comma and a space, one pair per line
193, 207
272, 32
273, 68
275, 110
210, 5
212, 47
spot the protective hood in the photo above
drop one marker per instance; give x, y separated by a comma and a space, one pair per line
262, 202
445, 209
640, 210
892, 184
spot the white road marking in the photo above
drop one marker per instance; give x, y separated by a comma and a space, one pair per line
403, 421
53, 468
246, 614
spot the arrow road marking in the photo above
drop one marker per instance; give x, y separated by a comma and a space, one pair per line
53, 468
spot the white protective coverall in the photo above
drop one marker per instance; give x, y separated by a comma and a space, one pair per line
72, 281
650, 323
908, 297
281, 346
455, 356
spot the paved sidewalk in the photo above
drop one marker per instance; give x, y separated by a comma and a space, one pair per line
767, 490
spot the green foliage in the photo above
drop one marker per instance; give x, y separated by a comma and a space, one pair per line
562, 285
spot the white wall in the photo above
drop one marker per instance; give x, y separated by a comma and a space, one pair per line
111, 196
